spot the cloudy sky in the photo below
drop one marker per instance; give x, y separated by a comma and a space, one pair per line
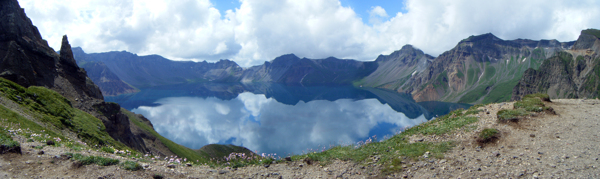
253, 31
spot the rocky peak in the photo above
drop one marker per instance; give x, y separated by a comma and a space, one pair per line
66, 54
285, 60
406, 53
489, 37
587, 39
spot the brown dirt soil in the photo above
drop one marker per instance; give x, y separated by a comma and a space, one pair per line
565, 145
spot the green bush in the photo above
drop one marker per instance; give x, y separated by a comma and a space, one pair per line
488, 133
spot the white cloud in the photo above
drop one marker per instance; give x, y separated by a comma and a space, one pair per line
261, 30
376, 15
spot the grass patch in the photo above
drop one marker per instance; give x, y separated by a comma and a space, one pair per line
507, 115
56, 111
87, 160
530, 104
107, 150
7, 141
131, 165
445, 124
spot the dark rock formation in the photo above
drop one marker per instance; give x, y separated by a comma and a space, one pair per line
573, 73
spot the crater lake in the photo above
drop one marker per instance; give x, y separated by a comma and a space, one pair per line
276, 118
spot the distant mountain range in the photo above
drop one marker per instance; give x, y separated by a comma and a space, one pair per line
479, 69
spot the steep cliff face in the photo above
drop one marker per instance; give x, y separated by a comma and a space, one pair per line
394, 70
480, 69
28, 60
573, 73
290, 69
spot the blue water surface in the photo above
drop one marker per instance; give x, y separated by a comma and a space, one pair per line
277, 118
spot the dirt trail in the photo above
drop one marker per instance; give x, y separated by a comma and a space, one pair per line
544, 146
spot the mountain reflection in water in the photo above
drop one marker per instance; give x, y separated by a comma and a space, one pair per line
275, 118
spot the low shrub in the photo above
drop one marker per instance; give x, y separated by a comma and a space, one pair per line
488, 133
131, 165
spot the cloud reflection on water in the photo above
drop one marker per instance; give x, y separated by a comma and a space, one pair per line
265, 125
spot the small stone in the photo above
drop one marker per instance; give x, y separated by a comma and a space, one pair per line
171, 166
288, 158
50, 142
40, 152
188, 164
531, 135
541, 153
223, 171
496, 153
266, 165
478, 169
420, 140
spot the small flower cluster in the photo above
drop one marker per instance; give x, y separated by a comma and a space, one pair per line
368, 141
240, 156
117, 151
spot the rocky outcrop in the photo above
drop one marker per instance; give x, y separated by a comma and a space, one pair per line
573, 73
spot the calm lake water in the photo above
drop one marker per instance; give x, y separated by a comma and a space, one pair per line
275, 118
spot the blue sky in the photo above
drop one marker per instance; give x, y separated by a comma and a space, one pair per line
362, 7
251, 32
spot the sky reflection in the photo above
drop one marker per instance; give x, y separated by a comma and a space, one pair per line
265, 125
